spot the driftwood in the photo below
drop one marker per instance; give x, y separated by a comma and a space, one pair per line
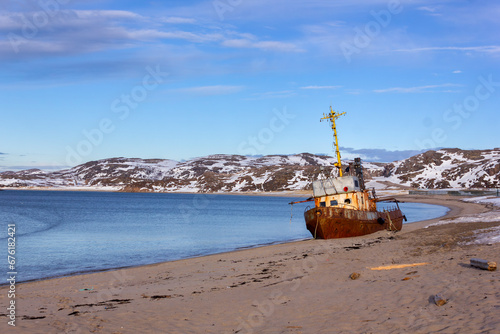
439, 300
483, 264
398, 266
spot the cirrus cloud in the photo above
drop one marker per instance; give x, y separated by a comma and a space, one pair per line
211, 90
320, 87
263, 45
416, 89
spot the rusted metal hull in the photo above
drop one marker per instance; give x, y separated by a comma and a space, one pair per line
331, 222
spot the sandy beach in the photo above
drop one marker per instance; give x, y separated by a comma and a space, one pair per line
297, 287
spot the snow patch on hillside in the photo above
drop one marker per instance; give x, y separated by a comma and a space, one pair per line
447, 168
484, 199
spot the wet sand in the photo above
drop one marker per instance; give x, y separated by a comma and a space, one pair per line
298, 287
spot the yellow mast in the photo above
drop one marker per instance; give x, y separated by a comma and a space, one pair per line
332, 116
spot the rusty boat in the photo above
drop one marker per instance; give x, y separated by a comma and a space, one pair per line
343, 207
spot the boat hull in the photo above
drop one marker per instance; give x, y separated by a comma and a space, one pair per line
331, 222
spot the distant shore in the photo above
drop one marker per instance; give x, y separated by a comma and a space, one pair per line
285, 193
296, 287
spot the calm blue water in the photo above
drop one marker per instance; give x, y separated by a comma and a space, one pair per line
59, 233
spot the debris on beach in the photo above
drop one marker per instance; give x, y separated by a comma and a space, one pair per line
354, 276
439, 300
483, 264
398, 266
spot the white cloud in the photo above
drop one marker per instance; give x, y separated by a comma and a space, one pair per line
427, 9
237, 43
110, 14
178, 20
264, 45
273, 95
417, 89
430, 10
71, 32
353, 91
185, 35
481, 49
211, 90
320, 87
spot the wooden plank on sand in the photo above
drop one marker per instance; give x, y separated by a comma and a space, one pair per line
398, 266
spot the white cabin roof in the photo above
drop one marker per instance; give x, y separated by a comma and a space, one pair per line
333, 186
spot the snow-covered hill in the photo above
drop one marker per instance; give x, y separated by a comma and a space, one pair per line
447, 168
215, 173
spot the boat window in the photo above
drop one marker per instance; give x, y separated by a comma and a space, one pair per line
347, 201
322, 204
334, 203
356, 183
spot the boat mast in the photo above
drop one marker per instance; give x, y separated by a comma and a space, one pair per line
332, 116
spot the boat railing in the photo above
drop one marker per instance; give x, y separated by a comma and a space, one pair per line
391, 209
339, 206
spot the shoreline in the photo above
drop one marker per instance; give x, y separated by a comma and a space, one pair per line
406, 226
284, 193
457, 208
288, 287
442, 200
97, 271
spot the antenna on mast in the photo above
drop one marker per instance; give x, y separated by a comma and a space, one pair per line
332, 116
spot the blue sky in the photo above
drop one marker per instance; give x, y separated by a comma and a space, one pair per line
86, 80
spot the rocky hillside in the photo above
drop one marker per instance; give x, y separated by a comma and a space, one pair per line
448, 168
215, 173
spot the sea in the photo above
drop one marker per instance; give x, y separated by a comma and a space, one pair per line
60, 233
